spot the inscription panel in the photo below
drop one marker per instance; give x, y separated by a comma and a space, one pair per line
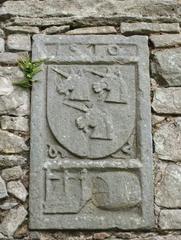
91, 165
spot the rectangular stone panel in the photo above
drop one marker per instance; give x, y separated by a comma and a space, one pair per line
91, 164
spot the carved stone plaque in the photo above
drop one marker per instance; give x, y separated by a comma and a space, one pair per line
91, 165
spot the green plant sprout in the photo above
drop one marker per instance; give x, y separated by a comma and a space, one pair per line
30, 69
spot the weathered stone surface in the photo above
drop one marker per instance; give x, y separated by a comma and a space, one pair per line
101, 235
166, 40
147, 28
168, 191
11, 58
167, 140
41, 22
13, 100
8, 204
17, 189
87, 8
157, 119
11, 160
56, 29
22, 29
2, 43
170, 219
14, 123
97, 194
19, 42
22, 232
3, 191
1, 33
93, 30
11, 143
12, 173
12, 221
166, 66
167, 100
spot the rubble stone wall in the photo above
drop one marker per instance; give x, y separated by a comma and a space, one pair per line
160, 21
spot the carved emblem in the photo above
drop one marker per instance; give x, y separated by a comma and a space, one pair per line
87, 104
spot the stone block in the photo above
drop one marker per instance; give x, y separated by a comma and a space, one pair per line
12, 173
167, 139
21, 29
147, 28
167, 100
3, 190
86, 136
1, 33
17, 189
56, 29
170, 219
13, 100
11, 161
11, 143
166, 40
12, 221
2, 43
9, 58
93, 30
168, 190
19, 42
166, 66
14, 123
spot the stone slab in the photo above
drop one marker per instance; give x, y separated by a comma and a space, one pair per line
90, 145
166, 40
167, 100
167, 139
170, 219
168, 190
147, 28
166, 67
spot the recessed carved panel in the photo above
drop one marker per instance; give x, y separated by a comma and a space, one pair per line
91, 139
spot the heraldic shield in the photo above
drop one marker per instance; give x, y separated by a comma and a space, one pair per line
90, 110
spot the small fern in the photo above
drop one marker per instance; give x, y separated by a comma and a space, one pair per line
30, 69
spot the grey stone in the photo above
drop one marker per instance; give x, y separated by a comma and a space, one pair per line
167, 100
3, 237
93, 181
42, 22
166, 40
166, 67
56, 29
21, 29
170, 219
167, 140
12, 160
14, 123
168, 191
83, 21
11, 58
93, 30
87, 8
157, 119
147, 28
12, 173
12, 221
8, 204
13, 100
11, 143
19, 42
17, 189
1, 33
3, 190
2, 43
